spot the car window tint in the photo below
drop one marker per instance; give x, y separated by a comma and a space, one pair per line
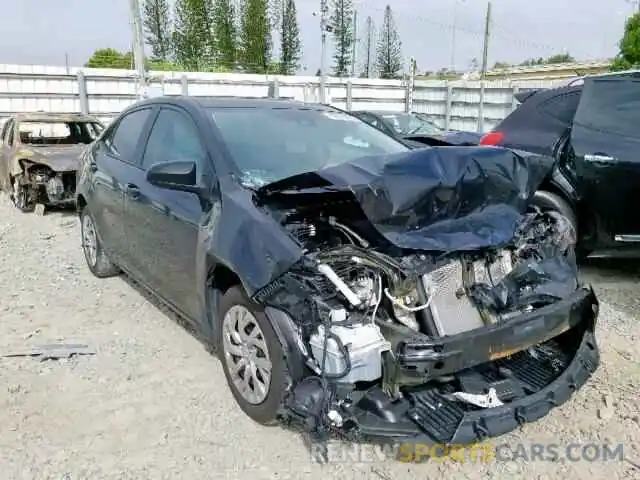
562, 107
124, 139
611, 105
174, 137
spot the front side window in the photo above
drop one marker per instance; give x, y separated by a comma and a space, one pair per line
611, 105
174, 138
269, 144
124, 140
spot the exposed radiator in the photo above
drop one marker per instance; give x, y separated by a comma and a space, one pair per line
452, 311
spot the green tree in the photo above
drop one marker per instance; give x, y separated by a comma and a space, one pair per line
501, 65
226, 33
157, 26
629, 55
341, 25
560, 58
110, 58
255, 36
290, 46
389, 55
193, 37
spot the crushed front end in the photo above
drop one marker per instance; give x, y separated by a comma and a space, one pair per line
434, 345
44, 185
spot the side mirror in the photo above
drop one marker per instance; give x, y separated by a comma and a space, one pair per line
179, 176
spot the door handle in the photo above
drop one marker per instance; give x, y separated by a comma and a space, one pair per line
132, 191
597, 157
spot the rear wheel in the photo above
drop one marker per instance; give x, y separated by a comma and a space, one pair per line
252, 356
97, 259
548, 201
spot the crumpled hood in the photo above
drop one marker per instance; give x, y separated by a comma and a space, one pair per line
60, 158
436, 199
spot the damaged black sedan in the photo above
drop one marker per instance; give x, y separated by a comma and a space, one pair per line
349, 285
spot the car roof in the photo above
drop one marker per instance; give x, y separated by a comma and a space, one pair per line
623, 73
52, 117
381, 112
233, 102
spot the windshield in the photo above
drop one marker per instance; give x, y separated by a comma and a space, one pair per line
269, 144
410, 123
58, 132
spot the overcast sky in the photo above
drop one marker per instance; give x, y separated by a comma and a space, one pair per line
43, 31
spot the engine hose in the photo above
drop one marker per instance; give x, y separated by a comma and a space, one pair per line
343, 350
351, 254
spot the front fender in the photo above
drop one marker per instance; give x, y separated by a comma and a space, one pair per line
290, 339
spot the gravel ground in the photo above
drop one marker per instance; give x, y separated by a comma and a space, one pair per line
153, 404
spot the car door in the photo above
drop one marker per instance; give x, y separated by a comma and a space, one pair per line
114, 157
162, 225
605, 142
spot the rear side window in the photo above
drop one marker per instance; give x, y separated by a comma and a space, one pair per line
562, 107
612, 106
124, 139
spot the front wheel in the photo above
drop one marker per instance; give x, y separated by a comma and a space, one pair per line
97, 259
21, 197
252, 356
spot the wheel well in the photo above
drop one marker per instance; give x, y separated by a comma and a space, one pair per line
80, 203
222, 278
547, 186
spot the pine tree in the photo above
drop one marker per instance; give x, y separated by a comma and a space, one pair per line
255, 36
226, 33
369, 50
157, 26
193, 37
290, 46
341, 25
389, 56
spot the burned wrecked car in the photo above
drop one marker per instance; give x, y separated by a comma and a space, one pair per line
350, 285
40, 154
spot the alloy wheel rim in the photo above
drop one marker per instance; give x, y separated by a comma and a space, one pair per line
89, 240
246, 354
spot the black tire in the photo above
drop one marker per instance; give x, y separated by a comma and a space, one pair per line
265, 412
550, 201
99, 264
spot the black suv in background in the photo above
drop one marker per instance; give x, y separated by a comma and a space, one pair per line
593, 130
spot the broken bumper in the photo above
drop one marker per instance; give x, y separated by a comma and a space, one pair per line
428, 417
448, 355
